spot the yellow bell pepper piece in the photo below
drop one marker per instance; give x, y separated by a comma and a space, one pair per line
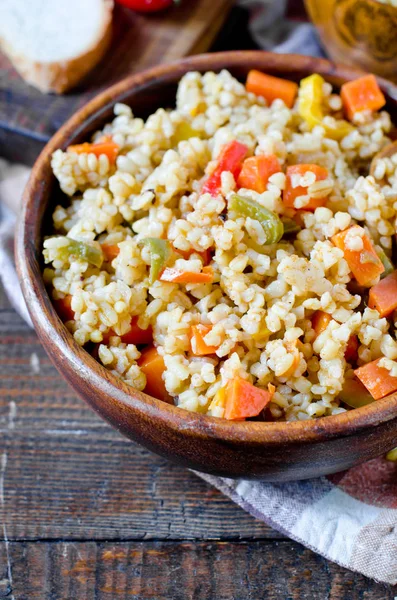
392, 455
262, 336
310, 107
184, 131
310, 99
219, 400
338, 131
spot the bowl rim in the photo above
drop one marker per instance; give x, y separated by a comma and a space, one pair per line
51, 329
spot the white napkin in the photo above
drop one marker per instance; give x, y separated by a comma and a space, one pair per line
272, 31
13, 179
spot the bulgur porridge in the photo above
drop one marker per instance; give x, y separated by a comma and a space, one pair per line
233, 256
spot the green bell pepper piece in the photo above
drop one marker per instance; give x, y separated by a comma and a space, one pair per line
271, 223
290, 226
386, 262
160, 252
82, 250
354, 394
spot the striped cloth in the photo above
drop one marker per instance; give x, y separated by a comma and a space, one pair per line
349, 518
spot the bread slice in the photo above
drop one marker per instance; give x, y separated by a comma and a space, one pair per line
53, 44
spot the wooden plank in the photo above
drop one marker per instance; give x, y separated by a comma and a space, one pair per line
28, 118
70, 475
61, 483
179, 571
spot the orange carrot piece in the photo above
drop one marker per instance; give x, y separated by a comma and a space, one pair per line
365, 264
291, 193
376, 379
105, 146
63, 306
383, 295
206, 255
110, 251
152, 364
256, 172
197, 343
363, 93
271, 88
244, 399
320, 321
179, 276
351, 352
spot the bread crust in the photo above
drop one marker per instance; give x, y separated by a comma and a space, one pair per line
59, 77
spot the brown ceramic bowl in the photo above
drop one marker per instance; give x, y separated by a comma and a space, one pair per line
270, 451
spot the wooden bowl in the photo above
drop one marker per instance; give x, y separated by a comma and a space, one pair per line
269, 451
361, 33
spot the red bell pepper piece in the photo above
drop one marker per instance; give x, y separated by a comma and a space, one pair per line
230, 159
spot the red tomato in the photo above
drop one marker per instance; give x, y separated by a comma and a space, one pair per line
146, 5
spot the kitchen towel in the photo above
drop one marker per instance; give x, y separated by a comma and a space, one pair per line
349, 518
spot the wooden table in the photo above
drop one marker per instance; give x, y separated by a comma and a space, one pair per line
85, 514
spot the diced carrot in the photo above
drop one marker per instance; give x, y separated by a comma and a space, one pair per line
230, 159
110, 251
63, 306
152, 364
291, 193
256, 172
351, 352
244, 399
105, 146
365, 264
383, 295
320, 321
376, 379
197, 343
271, 88
363, 93
179, 276
206, 255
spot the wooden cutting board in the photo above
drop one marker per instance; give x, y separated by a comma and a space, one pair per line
28, 118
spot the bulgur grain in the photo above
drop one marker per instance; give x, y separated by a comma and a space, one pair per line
258, 309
